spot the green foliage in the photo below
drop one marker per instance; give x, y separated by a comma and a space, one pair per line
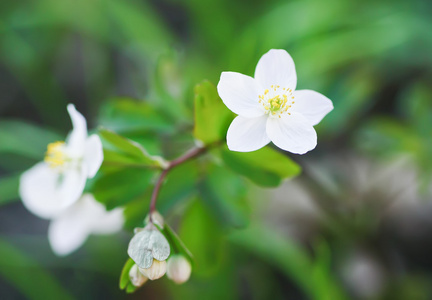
125, 283
23, 139
121, 151
212, 117
176, 244
9, 189
27, 275
266, 167
224, 194
312, 275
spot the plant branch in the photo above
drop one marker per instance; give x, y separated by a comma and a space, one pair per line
192, 153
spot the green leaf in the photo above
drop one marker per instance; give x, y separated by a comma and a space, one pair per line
224, 193
9, 189
203, 235
124, 276
122, 151
212, 117
313, 276
26, 275
266, 167
131, 115
117, 187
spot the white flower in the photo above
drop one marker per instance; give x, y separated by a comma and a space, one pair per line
70, 229
178, 269
51, 186
270, 109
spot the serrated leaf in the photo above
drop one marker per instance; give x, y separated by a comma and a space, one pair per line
266, 167
121, 150
212, 117
146, 245
124, 276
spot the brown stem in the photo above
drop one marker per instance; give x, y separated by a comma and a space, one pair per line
194, 152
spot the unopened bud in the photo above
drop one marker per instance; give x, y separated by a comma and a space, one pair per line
156, 271
156, 218
136, 277
178, 269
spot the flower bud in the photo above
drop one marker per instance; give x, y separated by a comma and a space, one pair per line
156, 271
136, 277
178, 269
156, 218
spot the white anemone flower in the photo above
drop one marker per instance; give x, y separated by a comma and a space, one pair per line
51, 186
270, 109
70, 229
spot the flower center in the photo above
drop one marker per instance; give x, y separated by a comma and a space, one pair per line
276, 100
55, 155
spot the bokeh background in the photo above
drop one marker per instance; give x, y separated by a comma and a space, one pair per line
357, 223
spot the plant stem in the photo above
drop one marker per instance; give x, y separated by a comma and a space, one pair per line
194, 152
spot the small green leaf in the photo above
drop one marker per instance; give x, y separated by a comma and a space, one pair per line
124, 276
148, 244
266, 167
212, 117
131, 288
120, 150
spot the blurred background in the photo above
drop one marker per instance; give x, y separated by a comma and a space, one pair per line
356, 224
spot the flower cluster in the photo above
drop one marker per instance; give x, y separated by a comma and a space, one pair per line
151, 253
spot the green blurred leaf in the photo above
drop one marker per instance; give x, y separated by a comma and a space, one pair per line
130, 115
212, 117
25, 139
124, 276
122, 151
313, 276
27, 276
266, 167
203, 235
9, 189
224, 193
177, 246
118, 187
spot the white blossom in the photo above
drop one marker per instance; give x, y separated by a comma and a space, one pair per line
51, 186
178, 269
270, 109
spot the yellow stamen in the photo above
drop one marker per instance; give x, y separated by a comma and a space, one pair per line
55, 156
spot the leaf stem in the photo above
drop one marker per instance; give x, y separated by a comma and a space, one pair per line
192, 153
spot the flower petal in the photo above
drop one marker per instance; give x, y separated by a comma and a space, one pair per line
240, 93
93, 155
67, 233
292, 133
78, 135
247, 134
69, 230
276, 67
46, 193
312, 105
